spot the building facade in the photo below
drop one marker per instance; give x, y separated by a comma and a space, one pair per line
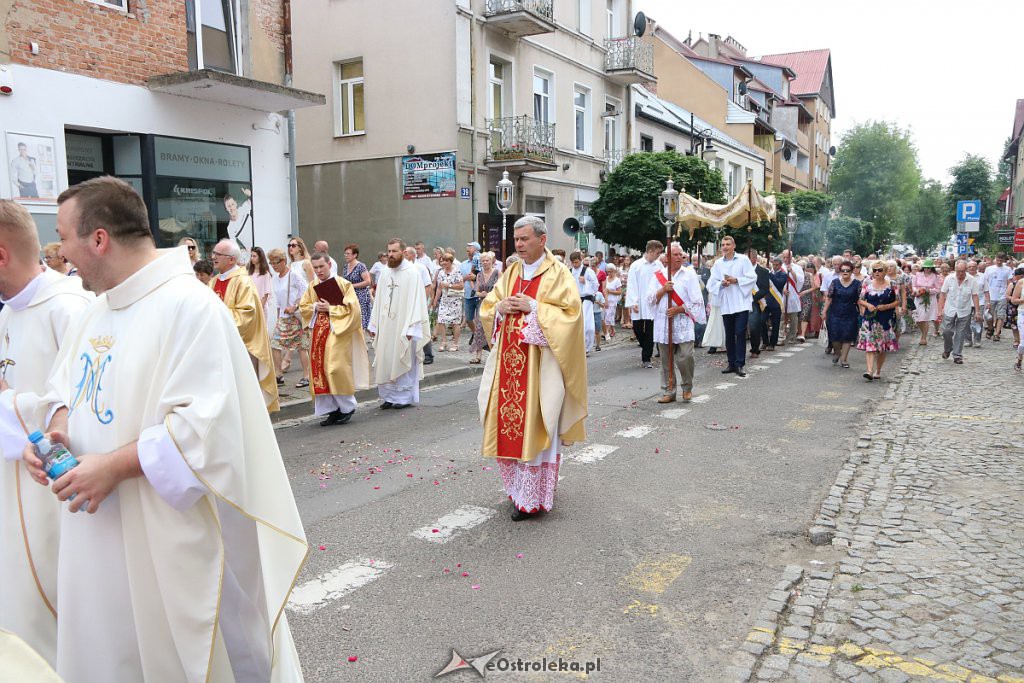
185, 100
1013, 215
425, 114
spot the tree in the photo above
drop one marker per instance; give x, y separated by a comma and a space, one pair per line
628, 210
972, 179
846, 232
874, 175
925, 223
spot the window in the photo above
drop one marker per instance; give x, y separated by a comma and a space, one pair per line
214, 46
750, 174
646, 143
734, 179
348, 98
670, 147
115, 4
542, 96
581, 117
611, 125
536, 206
496, 72
583, 16
611, 19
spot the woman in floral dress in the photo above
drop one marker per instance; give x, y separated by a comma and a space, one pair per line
810, 317
926, 285
485, 281
356, 273
878, 304
448, 302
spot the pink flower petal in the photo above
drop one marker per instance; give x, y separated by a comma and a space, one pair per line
353, 658
323, 547
465, 573
376, 488
476, 586
519, 556
409, 474
435, 531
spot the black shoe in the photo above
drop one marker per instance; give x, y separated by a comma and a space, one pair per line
518, 515
344, 417
386, 404
280, 381
331, 419
713, 349
400, 406
429, 360
740, 372
729, 370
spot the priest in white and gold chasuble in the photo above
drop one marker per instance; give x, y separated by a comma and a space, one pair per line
533, 394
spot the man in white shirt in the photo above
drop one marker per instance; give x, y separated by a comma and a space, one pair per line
792, 307
641, 272
586, 283
830, 274
997, 277
958, 295
428, 284
677, 297
732, 281
422, 258
324, 248
975, 328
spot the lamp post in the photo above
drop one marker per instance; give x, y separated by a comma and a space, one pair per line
506, 192
791, 221
669, 214
702, 140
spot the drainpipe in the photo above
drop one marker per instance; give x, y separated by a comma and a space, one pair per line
293, 185
472, 130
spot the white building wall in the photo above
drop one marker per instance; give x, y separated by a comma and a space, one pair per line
45, 102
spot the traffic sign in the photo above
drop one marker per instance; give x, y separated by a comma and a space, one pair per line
968, 211
961, 244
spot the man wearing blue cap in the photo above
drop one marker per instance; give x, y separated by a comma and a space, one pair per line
469, 268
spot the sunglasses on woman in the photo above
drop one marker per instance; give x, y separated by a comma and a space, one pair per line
846, 271
877, 270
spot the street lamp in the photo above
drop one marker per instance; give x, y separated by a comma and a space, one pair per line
506, 192
701, 139
670, 214
791, 221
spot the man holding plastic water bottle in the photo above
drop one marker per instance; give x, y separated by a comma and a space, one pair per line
39, 305
183, 565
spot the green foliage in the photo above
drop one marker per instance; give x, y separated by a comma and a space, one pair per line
628, 211
972, 179
846, 232
925, 223
875, 174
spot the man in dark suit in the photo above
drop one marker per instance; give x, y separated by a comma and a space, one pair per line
759, 308
778, 278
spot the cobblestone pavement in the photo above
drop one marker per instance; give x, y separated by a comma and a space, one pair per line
928, 513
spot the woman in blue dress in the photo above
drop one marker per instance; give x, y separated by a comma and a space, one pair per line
878, 303
356, 273
841, 313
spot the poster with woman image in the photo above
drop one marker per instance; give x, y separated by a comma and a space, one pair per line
31, 160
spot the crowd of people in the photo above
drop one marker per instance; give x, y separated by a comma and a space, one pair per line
157, 369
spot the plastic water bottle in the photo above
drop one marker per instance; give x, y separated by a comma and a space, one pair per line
976, 327
57, 460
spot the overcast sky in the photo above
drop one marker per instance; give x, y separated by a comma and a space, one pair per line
950, 71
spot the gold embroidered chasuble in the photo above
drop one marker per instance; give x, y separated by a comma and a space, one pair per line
337, 354
555, 376
243, 301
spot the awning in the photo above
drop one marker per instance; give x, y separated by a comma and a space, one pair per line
747, 207
217, 86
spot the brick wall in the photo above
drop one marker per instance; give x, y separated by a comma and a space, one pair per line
78, 36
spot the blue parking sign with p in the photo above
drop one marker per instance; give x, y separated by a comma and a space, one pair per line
968, 211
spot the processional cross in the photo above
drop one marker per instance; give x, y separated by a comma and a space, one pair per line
391, 297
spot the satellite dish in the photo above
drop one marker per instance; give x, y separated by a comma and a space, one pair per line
588, 225
832, 151
743, 88
787, 154
639, 24
571, 227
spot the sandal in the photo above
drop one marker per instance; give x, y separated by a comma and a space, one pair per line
867, 376
443, 348
835, 361
846, 365
474, 361
1017, 365
454, 349
302, 383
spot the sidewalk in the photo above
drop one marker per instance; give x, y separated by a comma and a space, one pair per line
927, 513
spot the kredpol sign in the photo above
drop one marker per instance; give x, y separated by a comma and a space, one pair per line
428, 176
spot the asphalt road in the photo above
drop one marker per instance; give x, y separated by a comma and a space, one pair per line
669, 528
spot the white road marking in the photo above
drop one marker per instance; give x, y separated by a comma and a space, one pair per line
703, 398
799, 348
593, 453
785, 354
454, 523
674, 413
312, 595
636, 432
725, 385
758, 367
773, 361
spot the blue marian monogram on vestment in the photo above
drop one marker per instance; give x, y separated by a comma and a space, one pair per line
90, 386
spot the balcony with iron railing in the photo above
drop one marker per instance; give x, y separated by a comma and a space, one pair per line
614, 157
520, 144
628, 61
520, 18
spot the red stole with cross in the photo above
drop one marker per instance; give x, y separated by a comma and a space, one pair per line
512, 378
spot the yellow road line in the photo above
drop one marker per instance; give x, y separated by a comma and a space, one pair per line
657, 575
